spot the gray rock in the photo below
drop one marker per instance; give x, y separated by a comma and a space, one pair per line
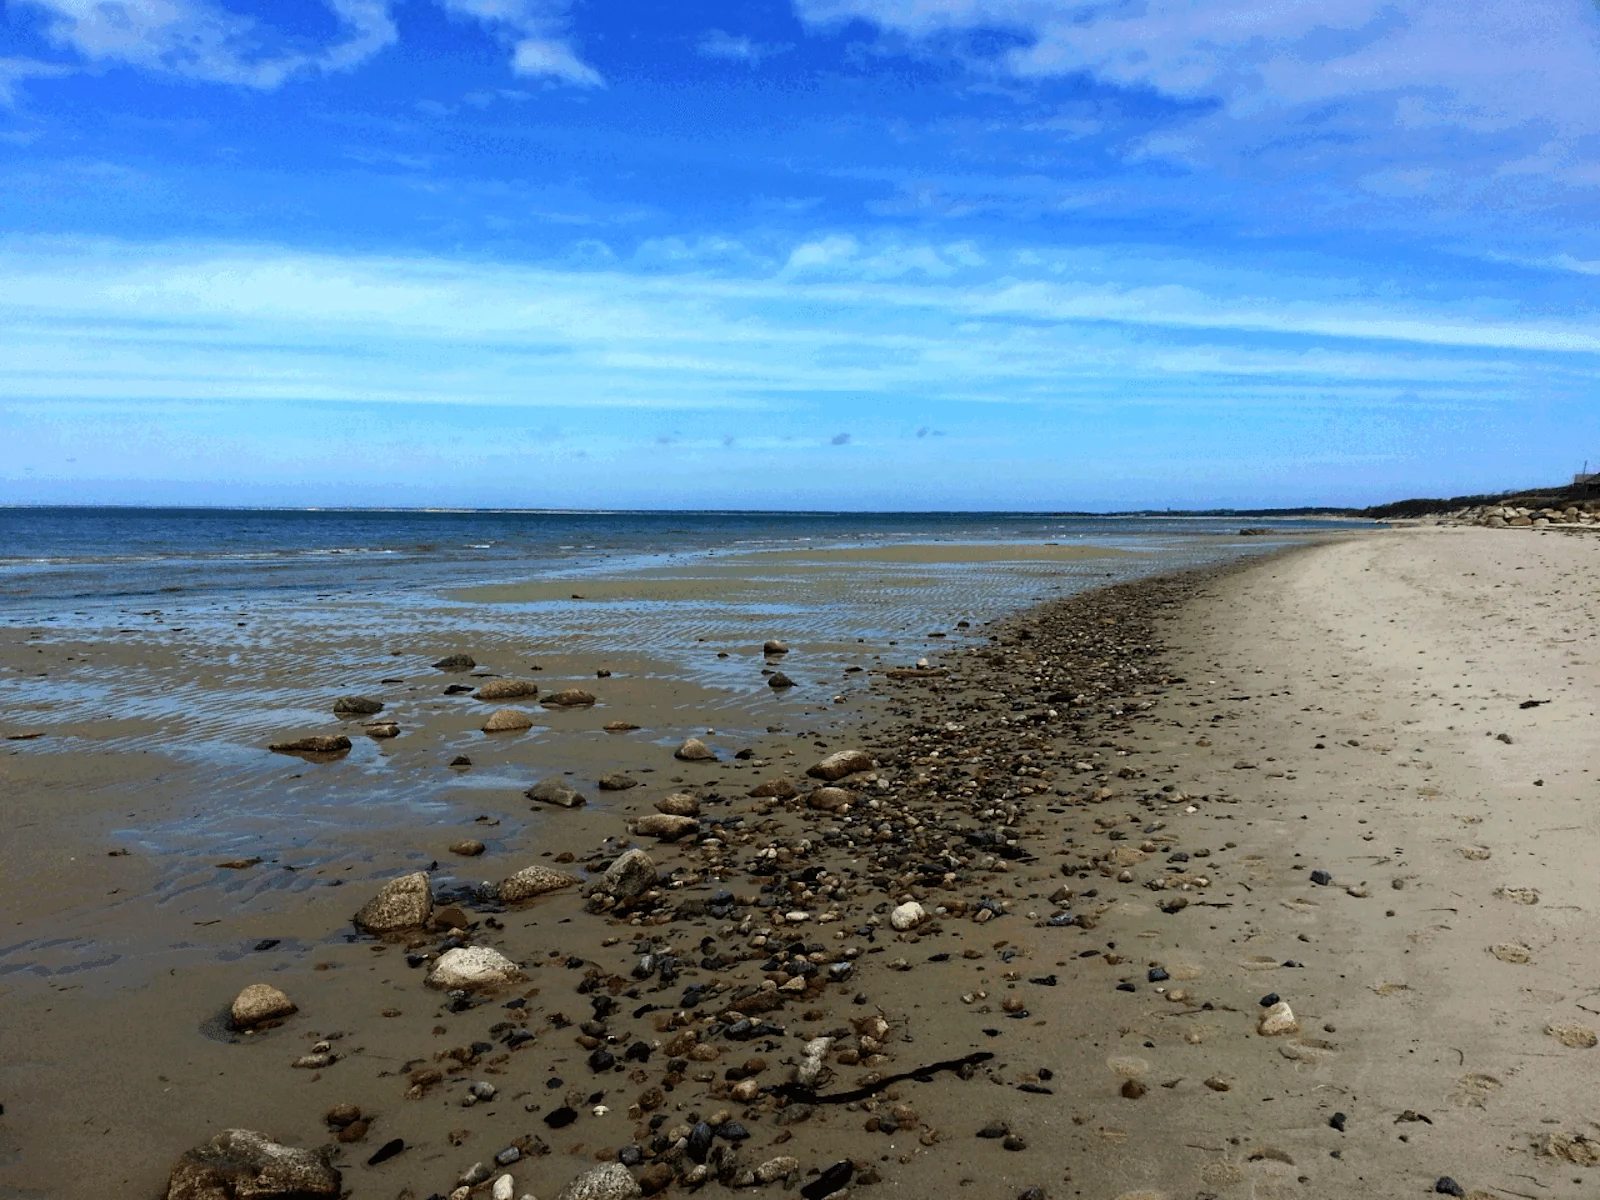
356, 706
403, 903
779, 681
629, 874
773, 646
456, 662
830, 799
610, 1182
467, 847
507, 720
694, 750
616, 781
507, 689
240, 1164
556, 791
381, 729
679, 804
257, 1003
569, 698
665, 827
472, 968
840, 764
533, 881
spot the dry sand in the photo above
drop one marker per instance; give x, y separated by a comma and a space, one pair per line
1335, 708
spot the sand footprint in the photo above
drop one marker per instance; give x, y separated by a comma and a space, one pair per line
1518, 895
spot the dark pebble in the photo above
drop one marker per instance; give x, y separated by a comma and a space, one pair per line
830, 1181
1270, 999
1321, 877
1337, 1121
994, 1129
1446, 1186
1158, 975
560, 1118
387, 1151
1126, 987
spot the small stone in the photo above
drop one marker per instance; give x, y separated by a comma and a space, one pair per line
610, 1182
507, 689
533, 881
260, 1002
472, 968
341, 1115
504, 1188
381, 729
467, 848
507, 720
694, 750
994, 1129
778, 681
665, 827
403, 903
569, 698
1218, 1084
243, 1163
558, 792
461, 760
838, 765
356, 706
907, 916
679, 804
1278, 1020
773, 646
778, 1168
1013, 1141
1132, 1089
616, 781
1445, 1186
1321, 878
619, 727
455, 662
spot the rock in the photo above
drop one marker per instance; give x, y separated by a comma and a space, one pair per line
1278, 1021
835, 1178
403, 903
455, 662
504, 1188
533, 881
631, 873
907, 916
472, 968
694, 750
779, 789
461, 760
1445, 1186
616, 781
257, 1003
610, 1182
1321, 877
468, 848
773, 646
778, 1168
679, 804
356, 706
994, 1130
507, 689
317, 743
619, 727
381, 729
240, 1164
840, 764
569, 698
830, 799
779, 681
666, 827
507, 720
556, 791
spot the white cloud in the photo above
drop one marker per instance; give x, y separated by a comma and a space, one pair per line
199, 40
717, 43
537, 32
1403, 76
14, 71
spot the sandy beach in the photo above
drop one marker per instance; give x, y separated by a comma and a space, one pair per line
1075, 857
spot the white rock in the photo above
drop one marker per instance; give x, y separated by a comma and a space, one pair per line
504, 1188
472, 967
257, 1003
1278, 1021
907, 916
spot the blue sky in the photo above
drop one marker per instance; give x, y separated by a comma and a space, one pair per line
797, 253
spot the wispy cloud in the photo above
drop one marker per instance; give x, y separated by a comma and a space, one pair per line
16, 71
538, 33
717, 43
200, 40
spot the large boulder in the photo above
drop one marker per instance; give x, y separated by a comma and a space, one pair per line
694, 750
258, 1003
569, 698
507, 720
556, 791
356, 706
507, 689
629, 874
473, 968
840, 764
401, 904
610, 1182
240, 1164
533, 881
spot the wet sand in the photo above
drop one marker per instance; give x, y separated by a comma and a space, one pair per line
1042, 760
